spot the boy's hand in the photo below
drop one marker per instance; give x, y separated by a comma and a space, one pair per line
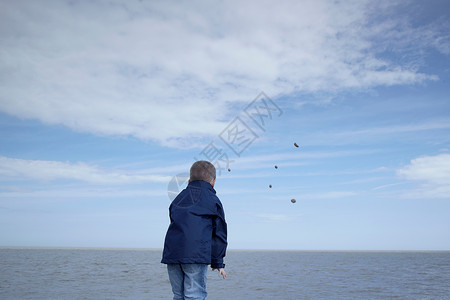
222, 272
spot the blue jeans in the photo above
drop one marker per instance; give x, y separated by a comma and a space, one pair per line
188, 281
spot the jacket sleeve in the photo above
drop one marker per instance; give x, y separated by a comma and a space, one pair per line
219, 239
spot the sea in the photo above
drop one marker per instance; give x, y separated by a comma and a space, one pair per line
47, 273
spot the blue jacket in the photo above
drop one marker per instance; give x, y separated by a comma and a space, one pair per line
197, 232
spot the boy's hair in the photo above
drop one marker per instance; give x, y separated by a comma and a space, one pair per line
203, 170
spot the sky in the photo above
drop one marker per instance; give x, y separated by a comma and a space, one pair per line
104, 106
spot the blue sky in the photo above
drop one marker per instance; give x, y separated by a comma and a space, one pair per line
103, 103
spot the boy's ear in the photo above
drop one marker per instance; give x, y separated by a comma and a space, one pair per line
213, 182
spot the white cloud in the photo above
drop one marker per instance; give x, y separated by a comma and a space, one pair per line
430, 169
432, 173
56, 170
170, 72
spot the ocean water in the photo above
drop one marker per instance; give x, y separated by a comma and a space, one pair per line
138, 274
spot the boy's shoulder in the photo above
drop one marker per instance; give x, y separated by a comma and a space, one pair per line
210, 200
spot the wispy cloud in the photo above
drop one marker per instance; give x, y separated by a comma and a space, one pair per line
397, 129
329, 195
375, 133
13, 168
170, 72
294, 158
271, 217
384, 186
105, 192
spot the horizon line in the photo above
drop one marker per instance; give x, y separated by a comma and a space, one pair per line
228, 250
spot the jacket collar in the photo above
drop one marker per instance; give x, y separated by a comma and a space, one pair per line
202, 184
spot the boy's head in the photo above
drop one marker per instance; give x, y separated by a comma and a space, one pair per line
203, 170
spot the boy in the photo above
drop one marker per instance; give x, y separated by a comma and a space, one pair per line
197, 234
